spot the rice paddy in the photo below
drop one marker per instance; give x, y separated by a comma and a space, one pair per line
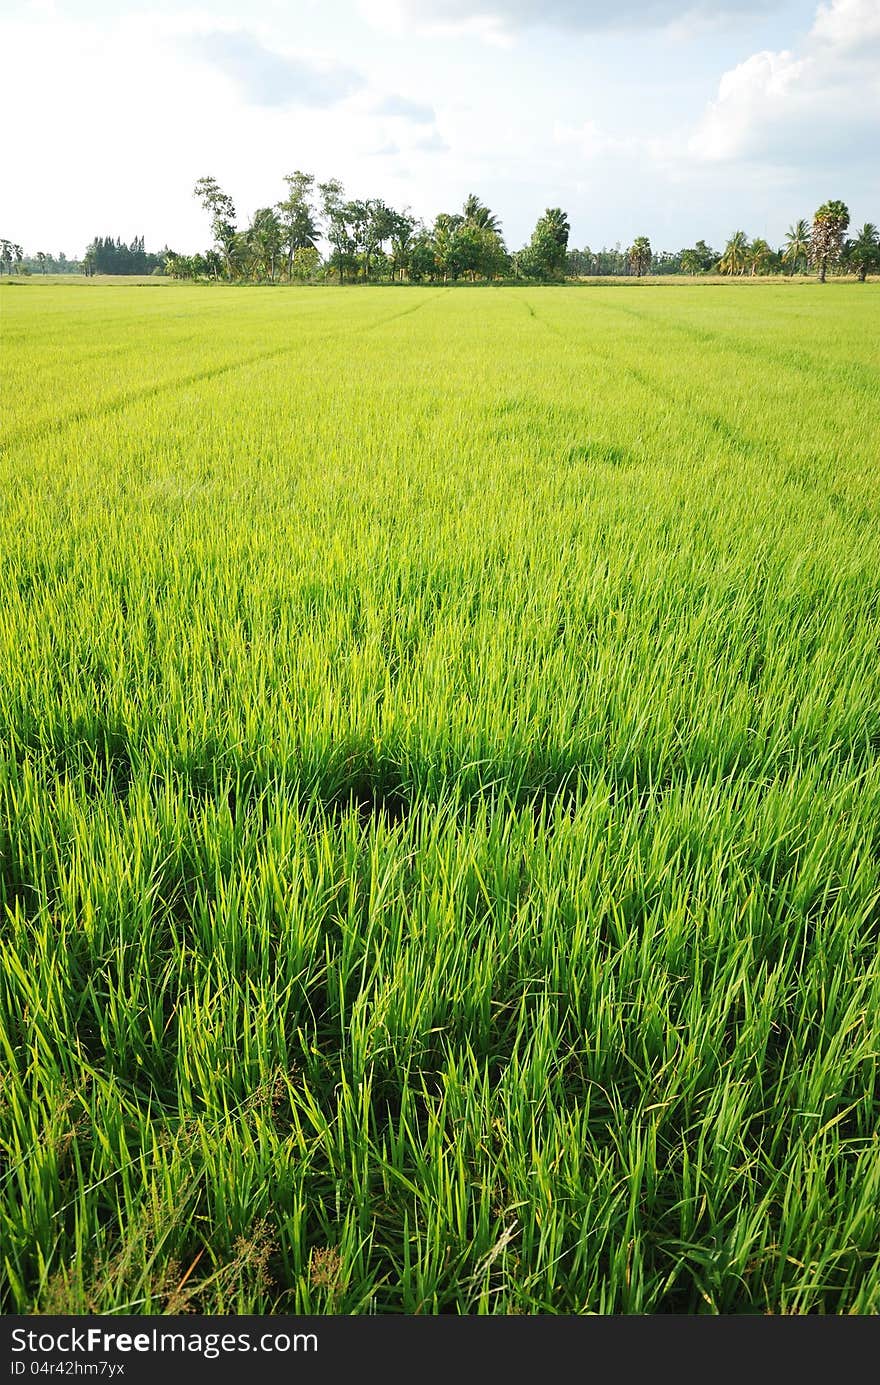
440, 800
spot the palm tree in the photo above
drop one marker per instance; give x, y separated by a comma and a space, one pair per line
759, 255
863, 253
691, 262
797, 244
735, 256
265, 235
558, 224
639, 256
446, 227
476, 213
829, 228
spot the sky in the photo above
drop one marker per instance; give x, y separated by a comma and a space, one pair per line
675, 119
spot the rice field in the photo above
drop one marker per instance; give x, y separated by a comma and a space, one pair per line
440, 800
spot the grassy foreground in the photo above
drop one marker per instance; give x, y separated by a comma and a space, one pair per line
440, 800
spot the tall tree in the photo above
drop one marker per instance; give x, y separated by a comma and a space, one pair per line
266, 238
378, 228
241, 260
298, 215
476, 213
108, 256
736, 254
493, 260
759, 256
336, 227
797, 244
639, 256
708, 256
691, 261
556, 221
545, 255
221, 209
421, 255
830, 224
447, 246
403, 227
863, 252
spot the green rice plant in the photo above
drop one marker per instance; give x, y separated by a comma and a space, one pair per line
440, 800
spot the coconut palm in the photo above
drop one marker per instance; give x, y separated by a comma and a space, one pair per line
797, 244
476, 213
863, 253
760, 256
691, 262
736, 254
266, 237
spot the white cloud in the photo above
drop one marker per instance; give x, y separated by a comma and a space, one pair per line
820, 105
441, 20
583, 125
267, 77
128, 95
849, 26
593, 143
403, 108
434, 143
497, 20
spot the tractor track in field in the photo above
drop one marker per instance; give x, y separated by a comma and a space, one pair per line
60, 425
734, 437
855, 375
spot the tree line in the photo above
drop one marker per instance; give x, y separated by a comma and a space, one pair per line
108, 256
104, 255
14, 260
370, 242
